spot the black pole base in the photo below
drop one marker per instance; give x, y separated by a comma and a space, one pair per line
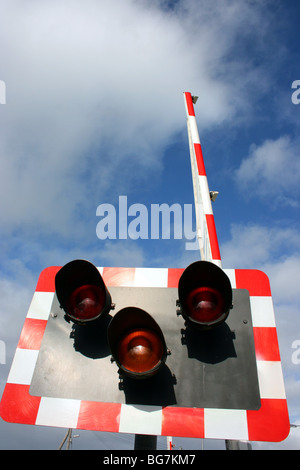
145, 442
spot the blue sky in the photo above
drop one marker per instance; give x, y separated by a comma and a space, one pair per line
94, 110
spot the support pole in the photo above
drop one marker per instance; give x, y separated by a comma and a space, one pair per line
69, 439
238, 445
67, 436
145, 442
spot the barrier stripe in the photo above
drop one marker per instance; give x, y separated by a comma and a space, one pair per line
210, 249
199, 160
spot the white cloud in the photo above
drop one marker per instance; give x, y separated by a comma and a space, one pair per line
120, 253
94, 94
272, 171
254, 246
285, 279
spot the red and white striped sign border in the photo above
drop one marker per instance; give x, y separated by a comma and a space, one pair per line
269, 423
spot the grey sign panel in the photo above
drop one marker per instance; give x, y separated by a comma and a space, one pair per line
206, 369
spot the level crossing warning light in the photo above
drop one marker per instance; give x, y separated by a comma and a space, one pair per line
135, 339
205, 295
137, 343
81, 292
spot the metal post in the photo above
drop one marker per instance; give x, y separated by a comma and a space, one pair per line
145, 442
67, 436
238, 445
69, 439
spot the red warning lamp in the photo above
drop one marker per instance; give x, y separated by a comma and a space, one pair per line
81, 291
205, 295
137, 343
205, 304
